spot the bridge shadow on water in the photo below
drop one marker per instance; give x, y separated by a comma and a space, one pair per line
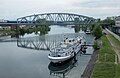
46, 42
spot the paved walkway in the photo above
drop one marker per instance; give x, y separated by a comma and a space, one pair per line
90, 66
115, 46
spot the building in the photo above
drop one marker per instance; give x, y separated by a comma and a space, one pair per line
2, 20
5, 27
117, 24
117, 21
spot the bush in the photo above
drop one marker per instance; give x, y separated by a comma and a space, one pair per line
95, 46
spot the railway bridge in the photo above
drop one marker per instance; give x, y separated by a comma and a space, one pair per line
56, 19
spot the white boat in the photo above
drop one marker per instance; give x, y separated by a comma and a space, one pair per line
66, 49
88, 32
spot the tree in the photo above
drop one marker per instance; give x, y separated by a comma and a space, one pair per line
22, 31
97, 32
107, 22
92, 27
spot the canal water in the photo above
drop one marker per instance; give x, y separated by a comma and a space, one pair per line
18, 62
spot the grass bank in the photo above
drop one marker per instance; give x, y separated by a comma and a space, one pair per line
5, 31
106, 53
106, 67
117, 73
104, 70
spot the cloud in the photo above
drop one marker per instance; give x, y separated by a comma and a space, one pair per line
97, 4
12, 9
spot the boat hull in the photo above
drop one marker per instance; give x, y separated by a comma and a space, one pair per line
60, 59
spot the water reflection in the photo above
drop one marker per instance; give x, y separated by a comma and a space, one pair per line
18, 62
78, 28
47, 42
62, 69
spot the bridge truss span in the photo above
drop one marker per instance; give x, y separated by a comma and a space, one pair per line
55, 19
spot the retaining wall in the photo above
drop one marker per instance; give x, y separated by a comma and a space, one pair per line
116, 36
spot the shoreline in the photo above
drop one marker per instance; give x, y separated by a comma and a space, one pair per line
90, 66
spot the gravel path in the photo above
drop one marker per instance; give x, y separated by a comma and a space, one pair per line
116, 47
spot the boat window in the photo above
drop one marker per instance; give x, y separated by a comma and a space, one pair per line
73, 48
66, 54
73, 40
59, 56
58, 49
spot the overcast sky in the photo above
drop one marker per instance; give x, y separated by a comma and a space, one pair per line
12, 9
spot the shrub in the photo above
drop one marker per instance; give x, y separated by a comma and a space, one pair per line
95, 46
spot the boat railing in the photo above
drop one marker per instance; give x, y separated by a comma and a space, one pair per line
60, 53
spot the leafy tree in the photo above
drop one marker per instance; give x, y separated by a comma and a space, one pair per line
107, 22
97, 32
22, 31
42, 29
92, 27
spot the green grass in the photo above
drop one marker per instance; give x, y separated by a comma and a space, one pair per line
117, 43
5, 31
117, 75
106, 68
106, 53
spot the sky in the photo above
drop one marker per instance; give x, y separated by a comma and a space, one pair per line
13, 9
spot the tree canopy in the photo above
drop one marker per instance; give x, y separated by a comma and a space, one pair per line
97, 32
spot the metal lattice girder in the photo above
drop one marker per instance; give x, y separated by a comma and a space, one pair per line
56, 18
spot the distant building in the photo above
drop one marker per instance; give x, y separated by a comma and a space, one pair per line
117, 23
5, 27
2, 20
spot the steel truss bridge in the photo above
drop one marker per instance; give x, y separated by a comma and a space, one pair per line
56, 19
47, 42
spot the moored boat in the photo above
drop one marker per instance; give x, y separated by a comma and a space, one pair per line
88, 32
66, 49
